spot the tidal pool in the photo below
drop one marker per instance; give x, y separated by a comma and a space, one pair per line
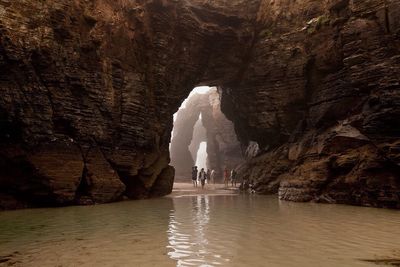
201, 230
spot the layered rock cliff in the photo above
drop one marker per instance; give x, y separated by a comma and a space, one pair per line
325, 77
88, 90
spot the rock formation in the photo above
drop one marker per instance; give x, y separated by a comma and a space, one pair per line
199, 136
320, 96
88, 90
223, 148
188, 135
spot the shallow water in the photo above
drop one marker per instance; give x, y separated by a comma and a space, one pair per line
202, 230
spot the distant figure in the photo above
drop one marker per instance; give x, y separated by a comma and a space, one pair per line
251, 187
212, 176
208, 176
244, 185
202, 177
226, 176
233, 177
194, 176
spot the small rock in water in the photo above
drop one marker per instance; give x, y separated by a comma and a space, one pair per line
388, 262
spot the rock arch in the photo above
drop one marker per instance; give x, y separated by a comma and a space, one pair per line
88, 92
223, 148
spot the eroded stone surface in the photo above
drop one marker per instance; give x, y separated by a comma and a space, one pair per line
99, 181
110, 74
326, 78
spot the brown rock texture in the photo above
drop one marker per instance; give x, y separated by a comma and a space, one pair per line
325, 77
88, 90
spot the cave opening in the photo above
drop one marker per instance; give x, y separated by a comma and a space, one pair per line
202, 136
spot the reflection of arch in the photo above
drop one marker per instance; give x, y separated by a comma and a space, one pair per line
188, 242
222, 145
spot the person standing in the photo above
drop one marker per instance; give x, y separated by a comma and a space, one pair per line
208, 176
212, 176
194, 176
233, 177
226, 176
202, 177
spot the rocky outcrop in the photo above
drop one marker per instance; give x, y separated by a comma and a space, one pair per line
89, 88
326, 81
223, 147
188, 133
201, 120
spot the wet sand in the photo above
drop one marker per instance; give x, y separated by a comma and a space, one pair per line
187, 189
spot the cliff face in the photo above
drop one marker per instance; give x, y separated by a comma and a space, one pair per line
223, 148
323, 102
88, 90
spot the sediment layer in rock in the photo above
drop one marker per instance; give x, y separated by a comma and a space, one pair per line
325, 78
88, 90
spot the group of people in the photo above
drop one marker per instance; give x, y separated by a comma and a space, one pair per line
230, 176
247, 185
202, 176
209, 176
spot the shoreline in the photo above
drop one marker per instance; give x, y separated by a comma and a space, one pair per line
187, 189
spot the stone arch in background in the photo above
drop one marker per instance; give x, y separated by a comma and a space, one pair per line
89, 91
223, 148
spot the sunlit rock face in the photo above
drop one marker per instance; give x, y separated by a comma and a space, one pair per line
199, 136
188, 133
190, 129
88, 90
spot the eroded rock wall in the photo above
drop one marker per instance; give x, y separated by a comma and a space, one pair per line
324, 102
223, 147
88, 90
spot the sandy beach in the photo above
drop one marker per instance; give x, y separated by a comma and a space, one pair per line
187, 189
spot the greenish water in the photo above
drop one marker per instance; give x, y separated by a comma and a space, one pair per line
222, 230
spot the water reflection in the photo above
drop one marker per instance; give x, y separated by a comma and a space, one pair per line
205, 230
187, 234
